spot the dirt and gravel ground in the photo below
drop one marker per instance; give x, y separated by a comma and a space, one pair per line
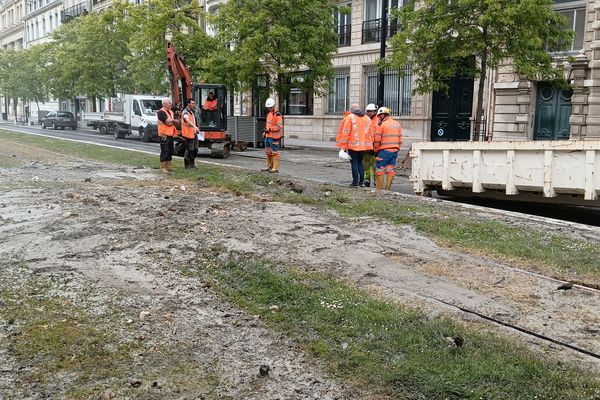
112, 246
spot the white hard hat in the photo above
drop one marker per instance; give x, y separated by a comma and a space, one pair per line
371, 107
270, 103
384, 110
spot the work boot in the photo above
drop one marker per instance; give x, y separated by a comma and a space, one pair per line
168, 165
269, 163
388, 182
163, 166
379, 182
275, 167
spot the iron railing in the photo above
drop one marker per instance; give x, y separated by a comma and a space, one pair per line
74, 11
344, 33
338, 100
371, 30
397, 93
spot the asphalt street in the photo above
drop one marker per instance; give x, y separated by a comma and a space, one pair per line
318, 165
299, 162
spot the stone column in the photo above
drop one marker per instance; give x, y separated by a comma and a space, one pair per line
593, 82
578, 74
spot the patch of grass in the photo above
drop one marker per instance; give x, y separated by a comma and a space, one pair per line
390, 351
9, 161
78, 354
562, 257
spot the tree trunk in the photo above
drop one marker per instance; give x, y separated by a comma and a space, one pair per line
15, 108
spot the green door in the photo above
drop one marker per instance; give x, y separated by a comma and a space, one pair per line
451, 111
552, 113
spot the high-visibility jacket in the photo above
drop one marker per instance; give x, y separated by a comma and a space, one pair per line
355, 133
274, 126
164, 129
188, 124
210, 105
388, 135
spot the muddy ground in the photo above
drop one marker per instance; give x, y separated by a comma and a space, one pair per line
114, 243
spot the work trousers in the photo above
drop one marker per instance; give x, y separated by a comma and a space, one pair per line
191, 151
356, 162
369, 165
167, 148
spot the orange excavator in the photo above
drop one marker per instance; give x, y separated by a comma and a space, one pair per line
211, 100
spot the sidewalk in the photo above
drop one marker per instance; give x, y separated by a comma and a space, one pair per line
310, 144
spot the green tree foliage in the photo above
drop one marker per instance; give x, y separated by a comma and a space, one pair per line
22, 76
153, 20
274, 38
439, 37
88, 56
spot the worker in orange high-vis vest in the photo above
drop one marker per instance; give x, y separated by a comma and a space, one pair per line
210, 106
369, 157
190, 131
355, 137
167, 129
386, 144
273, 133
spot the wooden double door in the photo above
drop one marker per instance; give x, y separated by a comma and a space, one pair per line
552, 113
451, 111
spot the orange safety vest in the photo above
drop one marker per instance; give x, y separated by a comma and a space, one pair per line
274, 125
164, 129
188, 126
355, 133
388, 135
210, 105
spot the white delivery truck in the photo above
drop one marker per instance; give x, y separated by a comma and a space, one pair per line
133, 114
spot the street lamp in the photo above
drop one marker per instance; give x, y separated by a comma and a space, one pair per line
383, 38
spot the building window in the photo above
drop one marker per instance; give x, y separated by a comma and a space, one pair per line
299, 95
339, 96
575, 22
50, 23
343, 26
371, 27
397, 91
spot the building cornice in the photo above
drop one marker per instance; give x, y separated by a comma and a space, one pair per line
47, 7
14, 28
10, 4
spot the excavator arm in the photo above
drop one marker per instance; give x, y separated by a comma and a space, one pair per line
179, 73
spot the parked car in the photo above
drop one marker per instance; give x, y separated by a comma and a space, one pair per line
59, 119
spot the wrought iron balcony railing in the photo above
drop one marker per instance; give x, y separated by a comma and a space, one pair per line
344, 33
371, 30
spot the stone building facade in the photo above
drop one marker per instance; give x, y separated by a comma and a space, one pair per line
527, 110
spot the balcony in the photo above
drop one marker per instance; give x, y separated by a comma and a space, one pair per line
68, 14
371, 30
344, 33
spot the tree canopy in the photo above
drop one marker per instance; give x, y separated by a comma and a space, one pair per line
272, 38
439, 37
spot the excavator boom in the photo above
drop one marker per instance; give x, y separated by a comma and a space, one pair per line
179, 73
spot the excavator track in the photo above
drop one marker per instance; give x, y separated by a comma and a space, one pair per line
220, 150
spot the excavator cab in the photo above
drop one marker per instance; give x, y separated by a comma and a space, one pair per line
211, 102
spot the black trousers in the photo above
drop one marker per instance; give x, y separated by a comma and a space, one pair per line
167, 148
191, 151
